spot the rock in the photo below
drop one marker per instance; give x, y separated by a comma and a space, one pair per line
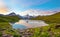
57, 26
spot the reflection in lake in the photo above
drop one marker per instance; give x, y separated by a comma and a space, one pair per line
29, 24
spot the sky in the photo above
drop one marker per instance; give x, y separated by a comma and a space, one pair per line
23, 7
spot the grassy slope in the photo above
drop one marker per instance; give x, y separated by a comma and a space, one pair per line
6, 27
48, 31
49, 19
4, 21
9, 18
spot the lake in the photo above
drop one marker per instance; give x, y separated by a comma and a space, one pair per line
23, 24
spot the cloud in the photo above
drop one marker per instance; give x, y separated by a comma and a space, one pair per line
3, 8
36, 12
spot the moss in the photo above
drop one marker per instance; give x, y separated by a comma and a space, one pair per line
0, 34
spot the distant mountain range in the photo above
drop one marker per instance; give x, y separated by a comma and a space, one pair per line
37, 12
23, 17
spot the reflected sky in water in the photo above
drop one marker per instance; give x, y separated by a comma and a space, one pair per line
22, 24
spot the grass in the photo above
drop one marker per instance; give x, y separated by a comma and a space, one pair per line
46, 31
5, 27
49, 19
9, 18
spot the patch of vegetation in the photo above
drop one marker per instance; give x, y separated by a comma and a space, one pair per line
6, 28
9, 18
45, 31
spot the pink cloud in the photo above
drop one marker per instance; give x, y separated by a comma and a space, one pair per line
36, 12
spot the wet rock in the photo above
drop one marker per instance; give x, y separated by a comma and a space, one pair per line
57, 26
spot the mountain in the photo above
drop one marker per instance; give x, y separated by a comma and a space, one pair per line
12, 14
27, 16
9, 18
1, 14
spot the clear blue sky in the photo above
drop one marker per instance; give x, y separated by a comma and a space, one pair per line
22, 5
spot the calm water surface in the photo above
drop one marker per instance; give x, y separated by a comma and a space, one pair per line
22, 24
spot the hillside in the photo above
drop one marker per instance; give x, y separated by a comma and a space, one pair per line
9, 18
4, 20
5, 28
49, 19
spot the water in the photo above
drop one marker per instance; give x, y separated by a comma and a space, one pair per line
22, 24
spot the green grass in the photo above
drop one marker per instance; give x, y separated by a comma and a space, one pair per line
5, 27
55, 18
44, 31
9, 18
